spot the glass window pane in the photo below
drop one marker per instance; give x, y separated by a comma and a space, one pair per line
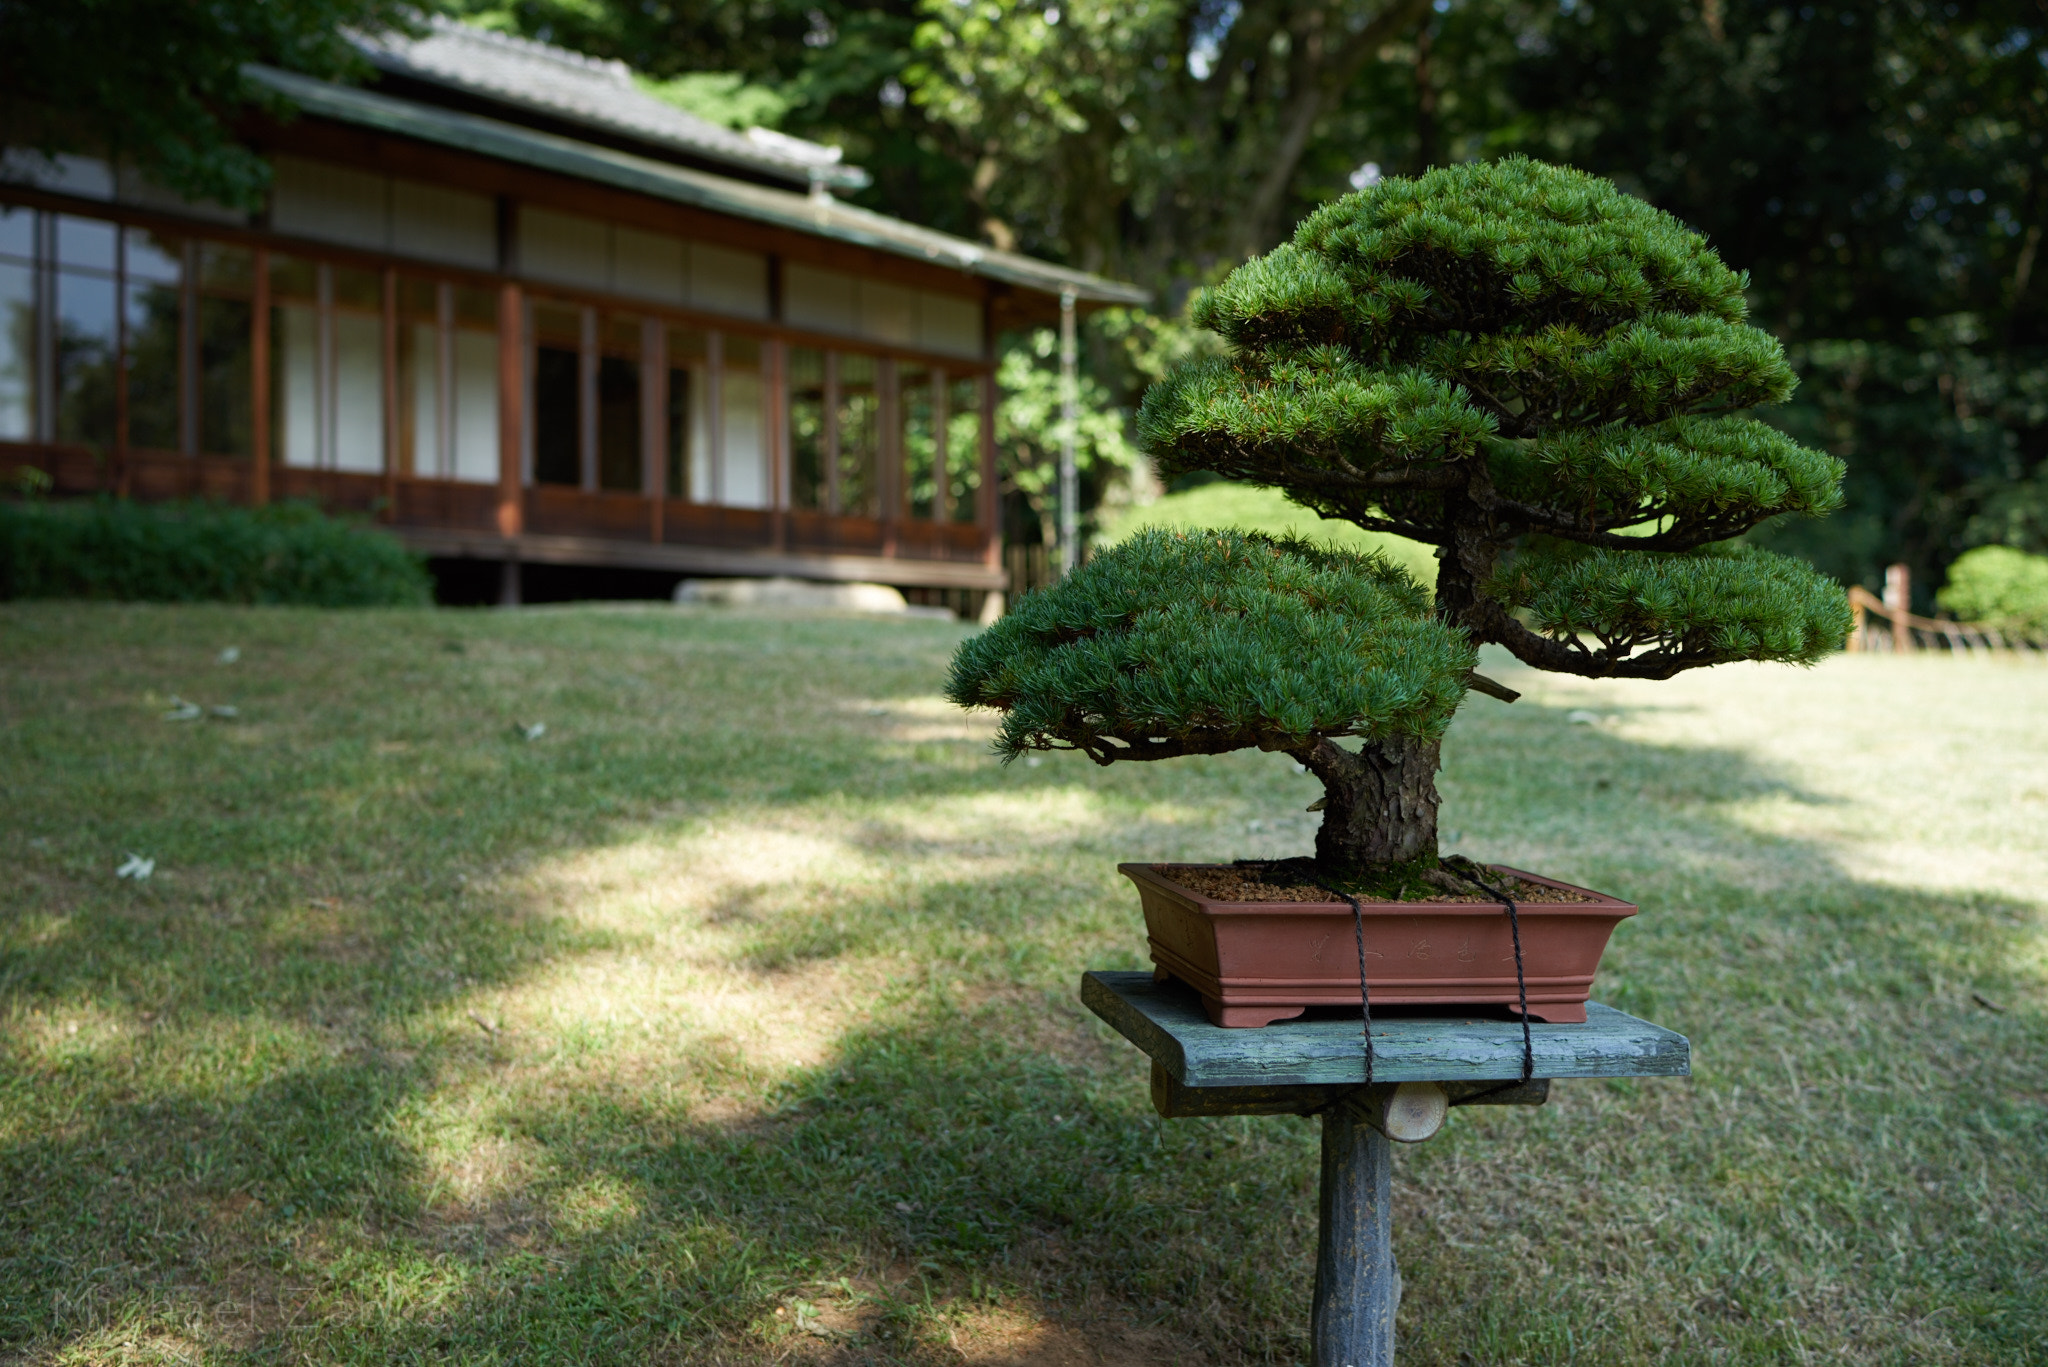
688, 472
807, 447
858, 422
85, 359
741, 412
358, 289
228, 270
154, 257
153, 314
476, 307
85, 243
295, 383
963, 449
17, 351
918, 438
293, 278
17, 232
476, 404
557, 395
355, 421
618, 405
224, 416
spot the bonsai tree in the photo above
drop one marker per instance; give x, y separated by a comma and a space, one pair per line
1518, 364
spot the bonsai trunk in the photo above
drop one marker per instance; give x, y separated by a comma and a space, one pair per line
1379, 808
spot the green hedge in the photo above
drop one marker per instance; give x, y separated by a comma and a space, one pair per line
202, 552
2002, 587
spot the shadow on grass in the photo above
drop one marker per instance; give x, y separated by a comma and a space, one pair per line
1857, 1168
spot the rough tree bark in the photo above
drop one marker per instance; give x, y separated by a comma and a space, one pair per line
1379, 805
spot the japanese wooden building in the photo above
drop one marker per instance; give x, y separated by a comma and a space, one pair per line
520, 311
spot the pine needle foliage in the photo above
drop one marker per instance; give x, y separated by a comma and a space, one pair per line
1496, 355
1183, 643
1547, 380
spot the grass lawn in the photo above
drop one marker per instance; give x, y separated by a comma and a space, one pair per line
1221, 503
731, 1018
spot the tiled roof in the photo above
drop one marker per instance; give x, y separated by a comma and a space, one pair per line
599, 94
817, 215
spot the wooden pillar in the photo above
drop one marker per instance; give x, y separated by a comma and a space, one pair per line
714, 421
259, 381
889, 472
942, 461
775, 357
121, 362
830, 423
388, 381
511, 411
654, 421
1898, 602
188, 352
586, 401
1358, 1287
989, 511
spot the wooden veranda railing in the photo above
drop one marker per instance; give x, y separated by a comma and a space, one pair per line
1905, 632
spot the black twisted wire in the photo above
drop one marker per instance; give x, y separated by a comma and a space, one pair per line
1364, 993
1463, 868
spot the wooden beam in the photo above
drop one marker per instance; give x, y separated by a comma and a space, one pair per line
712, 560
1166, 1020
1175, 1100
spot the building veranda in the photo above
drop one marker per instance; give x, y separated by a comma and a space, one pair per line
520, 311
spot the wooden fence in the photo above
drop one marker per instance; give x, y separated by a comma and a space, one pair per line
1905, 632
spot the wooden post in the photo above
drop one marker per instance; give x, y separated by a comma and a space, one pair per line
259, 382
1358, 1287
889, 480
775, 355
1898, 601
653, 421
989, 507
511, 435
121, 363
388, 381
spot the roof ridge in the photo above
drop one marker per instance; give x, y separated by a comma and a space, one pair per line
620, 73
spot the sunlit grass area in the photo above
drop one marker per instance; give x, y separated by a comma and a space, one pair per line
731, 1019
1221, 503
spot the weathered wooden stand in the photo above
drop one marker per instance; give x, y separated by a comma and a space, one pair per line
1423, 1066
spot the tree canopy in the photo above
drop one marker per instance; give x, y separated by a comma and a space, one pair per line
1544, 378
160, 85
1198, 642
1879, 169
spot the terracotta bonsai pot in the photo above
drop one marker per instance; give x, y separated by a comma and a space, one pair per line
1259, 962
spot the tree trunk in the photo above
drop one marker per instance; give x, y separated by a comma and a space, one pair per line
1379, 810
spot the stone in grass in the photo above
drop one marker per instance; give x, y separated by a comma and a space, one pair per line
1544, 378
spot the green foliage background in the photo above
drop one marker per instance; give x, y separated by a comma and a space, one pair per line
1998, 585
1880, 169
202, 552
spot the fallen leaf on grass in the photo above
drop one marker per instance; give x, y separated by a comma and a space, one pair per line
136, 868
230, 655
1985, 1002
184, 711
535, 731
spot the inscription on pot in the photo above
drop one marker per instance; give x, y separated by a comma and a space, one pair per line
1315, 947
1421, 950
